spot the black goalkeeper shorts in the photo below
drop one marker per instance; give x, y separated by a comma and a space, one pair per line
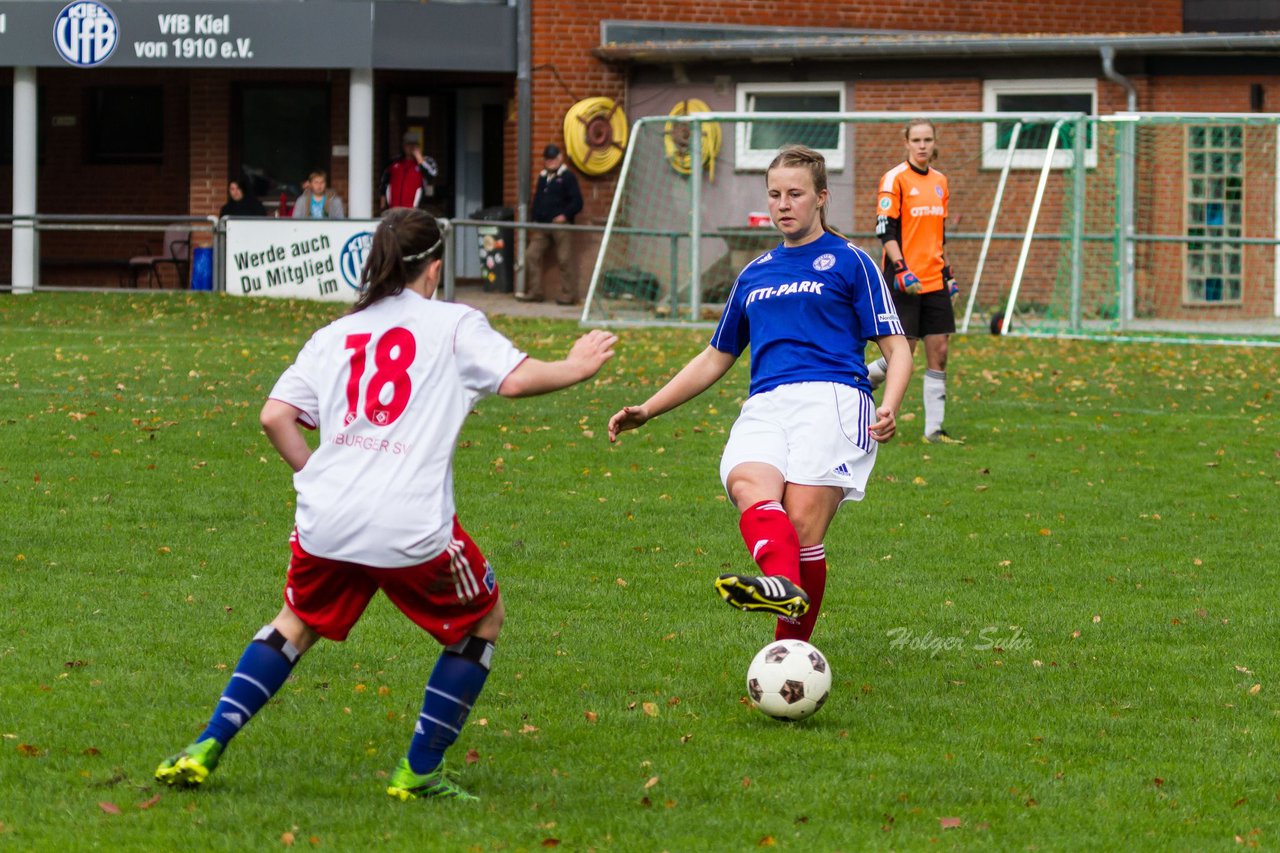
926, 314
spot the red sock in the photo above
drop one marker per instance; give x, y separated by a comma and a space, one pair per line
813, 580
772, 540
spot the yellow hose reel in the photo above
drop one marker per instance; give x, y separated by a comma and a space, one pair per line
675, 138
595, 135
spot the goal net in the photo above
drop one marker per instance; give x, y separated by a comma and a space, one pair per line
1059, 223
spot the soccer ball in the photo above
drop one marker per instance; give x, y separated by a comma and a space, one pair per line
789, 680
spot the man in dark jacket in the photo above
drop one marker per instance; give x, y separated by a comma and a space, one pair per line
557, 199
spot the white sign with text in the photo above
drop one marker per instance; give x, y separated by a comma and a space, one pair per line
297, 258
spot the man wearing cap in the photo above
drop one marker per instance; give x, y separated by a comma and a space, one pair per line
557, 199
407, 181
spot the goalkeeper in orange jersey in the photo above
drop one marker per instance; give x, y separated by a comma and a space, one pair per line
911, 209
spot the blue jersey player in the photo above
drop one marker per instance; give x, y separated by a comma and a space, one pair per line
806, 439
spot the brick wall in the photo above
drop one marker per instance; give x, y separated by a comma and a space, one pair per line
68, 183
1162, 193
564, 34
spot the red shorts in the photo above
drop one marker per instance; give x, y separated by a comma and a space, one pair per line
446, 596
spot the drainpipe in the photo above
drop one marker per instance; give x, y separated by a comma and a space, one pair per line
524, 128
1127, 158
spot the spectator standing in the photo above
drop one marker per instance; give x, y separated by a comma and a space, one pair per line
239, 203
557, 199
317, 201
407, 182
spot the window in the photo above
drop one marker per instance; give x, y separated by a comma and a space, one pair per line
1215, 208
124, 124
758, 143
279, 134
1036, 96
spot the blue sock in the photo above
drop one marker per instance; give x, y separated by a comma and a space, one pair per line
453, 688
263, 667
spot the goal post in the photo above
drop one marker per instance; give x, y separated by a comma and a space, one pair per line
677, 236
1129, 226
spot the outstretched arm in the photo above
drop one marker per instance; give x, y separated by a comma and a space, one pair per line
585, 358
698, 375
897, 353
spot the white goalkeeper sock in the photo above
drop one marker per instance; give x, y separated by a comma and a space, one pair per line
935, 400
876, 371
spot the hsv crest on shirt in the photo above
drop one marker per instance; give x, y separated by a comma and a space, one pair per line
807, 314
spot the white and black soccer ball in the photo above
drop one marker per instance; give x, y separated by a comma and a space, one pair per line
789, 680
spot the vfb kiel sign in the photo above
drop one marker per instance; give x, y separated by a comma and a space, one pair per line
85, 33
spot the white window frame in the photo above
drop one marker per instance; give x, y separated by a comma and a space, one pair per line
993, 158
756, 160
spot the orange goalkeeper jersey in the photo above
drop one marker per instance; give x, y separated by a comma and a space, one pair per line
919, 203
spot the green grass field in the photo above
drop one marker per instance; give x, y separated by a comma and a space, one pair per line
1058, 636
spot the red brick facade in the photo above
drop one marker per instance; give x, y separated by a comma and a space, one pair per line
565, 70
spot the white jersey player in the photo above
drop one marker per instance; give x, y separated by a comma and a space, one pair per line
806, 438
388, 386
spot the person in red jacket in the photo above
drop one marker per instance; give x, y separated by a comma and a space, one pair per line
407, 182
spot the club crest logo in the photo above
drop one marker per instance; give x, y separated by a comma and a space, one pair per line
885, 203
353, 256
824, 262
937, 190
85, 33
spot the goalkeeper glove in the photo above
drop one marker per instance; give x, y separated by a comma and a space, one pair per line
953, 289
904, 279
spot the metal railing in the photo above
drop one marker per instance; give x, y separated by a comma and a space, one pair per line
99, 222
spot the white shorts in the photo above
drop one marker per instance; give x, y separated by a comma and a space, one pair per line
815, 433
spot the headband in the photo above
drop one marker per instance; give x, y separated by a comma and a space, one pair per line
420, 255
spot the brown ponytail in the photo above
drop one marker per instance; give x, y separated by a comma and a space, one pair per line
405, 242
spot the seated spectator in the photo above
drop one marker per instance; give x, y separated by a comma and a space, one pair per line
317, 202
239, 203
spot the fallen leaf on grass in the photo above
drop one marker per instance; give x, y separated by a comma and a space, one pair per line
30, 750
949, 822
109, 807
551, 842
653, 780
472, 756
767, 841
746, 781
591, 716
650, 709
287, 839
527, 729
1253, 691
146, 804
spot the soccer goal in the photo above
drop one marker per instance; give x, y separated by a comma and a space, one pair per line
1059, 223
